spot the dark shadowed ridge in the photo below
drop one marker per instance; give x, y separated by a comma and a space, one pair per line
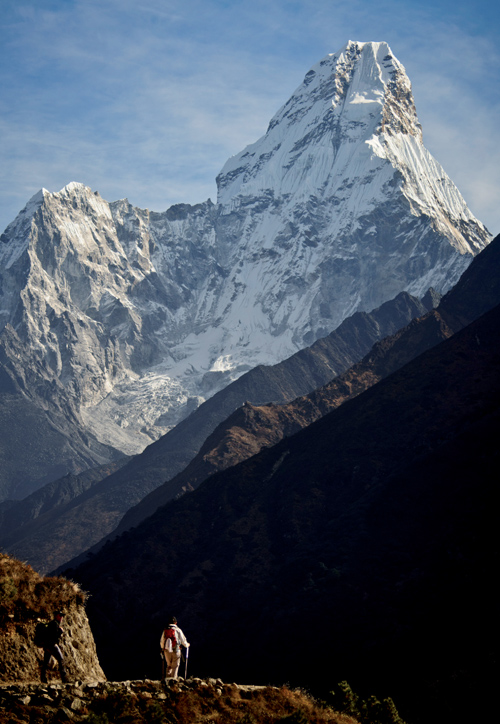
373, 527
80, 522
21, 519
252, 427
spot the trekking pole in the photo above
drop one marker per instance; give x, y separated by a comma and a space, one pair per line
186, 663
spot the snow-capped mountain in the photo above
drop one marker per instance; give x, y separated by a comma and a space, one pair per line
127, 319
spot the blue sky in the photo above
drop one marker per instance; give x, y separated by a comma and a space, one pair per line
148, 99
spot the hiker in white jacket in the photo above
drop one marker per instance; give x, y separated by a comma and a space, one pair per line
171, 641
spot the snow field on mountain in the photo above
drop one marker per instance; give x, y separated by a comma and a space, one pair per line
337, 208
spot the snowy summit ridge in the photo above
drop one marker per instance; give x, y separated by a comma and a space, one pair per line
135, 317
349, 96
351, 124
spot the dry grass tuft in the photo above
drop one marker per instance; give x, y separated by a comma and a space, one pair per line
260, 706
25, 595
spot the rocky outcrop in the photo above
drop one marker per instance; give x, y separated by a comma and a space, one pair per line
27, 599
21, 659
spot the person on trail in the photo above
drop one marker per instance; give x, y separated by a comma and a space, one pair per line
53, 633
171, 641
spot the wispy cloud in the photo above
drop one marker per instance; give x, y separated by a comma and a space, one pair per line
149, 99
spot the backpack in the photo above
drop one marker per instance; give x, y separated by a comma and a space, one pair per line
170, 635
41, 637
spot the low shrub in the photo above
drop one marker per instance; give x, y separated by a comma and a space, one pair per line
366, 711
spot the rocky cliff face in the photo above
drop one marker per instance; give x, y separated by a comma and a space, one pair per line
26, 599
21, 660
117, 321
